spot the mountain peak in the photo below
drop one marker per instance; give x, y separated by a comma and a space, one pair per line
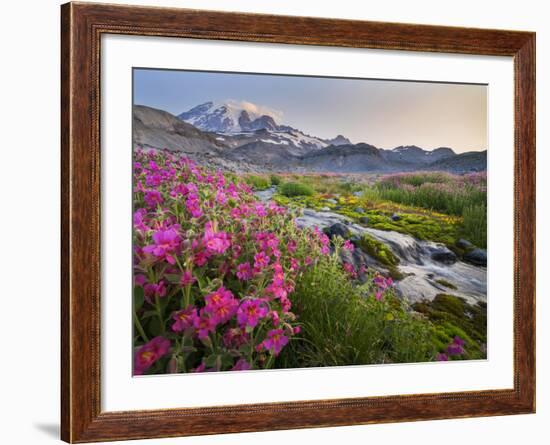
338, 140
231, 116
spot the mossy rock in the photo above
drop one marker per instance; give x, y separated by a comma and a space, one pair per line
453, 316
378, 250
446, 284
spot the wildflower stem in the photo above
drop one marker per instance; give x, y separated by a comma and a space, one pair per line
159, 312
140, 328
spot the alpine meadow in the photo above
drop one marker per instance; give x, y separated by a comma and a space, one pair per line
293, 221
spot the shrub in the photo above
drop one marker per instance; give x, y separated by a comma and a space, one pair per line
275, 180
258, 182
290, 189
344, 324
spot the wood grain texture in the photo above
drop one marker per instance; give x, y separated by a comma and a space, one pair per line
81, 28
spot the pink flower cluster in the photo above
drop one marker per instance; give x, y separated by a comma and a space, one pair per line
382, 284
214, 269
455, 348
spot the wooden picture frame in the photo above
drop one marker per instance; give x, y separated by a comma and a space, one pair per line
82, 26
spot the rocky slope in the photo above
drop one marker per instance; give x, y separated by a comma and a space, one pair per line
245, 140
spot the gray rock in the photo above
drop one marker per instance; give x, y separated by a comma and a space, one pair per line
477, 257
359, 210
358, 194
332, 201
464, 244
395, 217
444, 256
325, 209
337, 229
364, 220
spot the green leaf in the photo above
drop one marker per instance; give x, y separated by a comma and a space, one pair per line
211, 360
148, 314
188, 338
154, 327
173, 278
138, 298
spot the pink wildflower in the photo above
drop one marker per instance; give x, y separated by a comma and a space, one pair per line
235, 337
348, 267
244, 271
221, 197
187, 278
291, 246
149, 353
275, 318
154, 290
165, 245
152, 198
250, 312
204, 325
275, 341
241, 365
456, 347
184, 319
200, 258
221, 305
348, 245
261, 261
260, 210
215, 242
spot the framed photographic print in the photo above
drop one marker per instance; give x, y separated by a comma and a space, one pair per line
275, 222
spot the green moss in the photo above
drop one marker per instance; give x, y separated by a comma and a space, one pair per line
419, 226
446, 283
420, 223
378, 250
453, 316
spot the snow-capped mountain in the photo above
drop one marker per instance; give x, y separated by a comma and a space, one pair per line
236, 122
258, 143
228, 117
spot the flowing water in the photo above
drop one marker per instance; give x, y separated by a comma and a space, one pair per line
416, 264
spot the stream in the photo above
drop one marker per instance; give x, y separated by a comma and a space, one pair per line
421, 271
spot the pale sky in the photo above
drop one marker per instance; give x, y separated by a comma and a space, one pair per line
379, 112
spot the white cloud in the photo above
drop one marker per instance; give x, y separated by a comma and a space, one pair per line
254, 110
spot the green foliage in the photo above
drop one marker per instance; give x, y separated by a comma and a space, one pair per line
453, 316
275, 180
290, 189
343, 325
258, 182
475, 224
436, 191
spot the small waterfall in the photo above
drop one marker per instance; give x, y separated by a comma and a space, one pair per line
423, 276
